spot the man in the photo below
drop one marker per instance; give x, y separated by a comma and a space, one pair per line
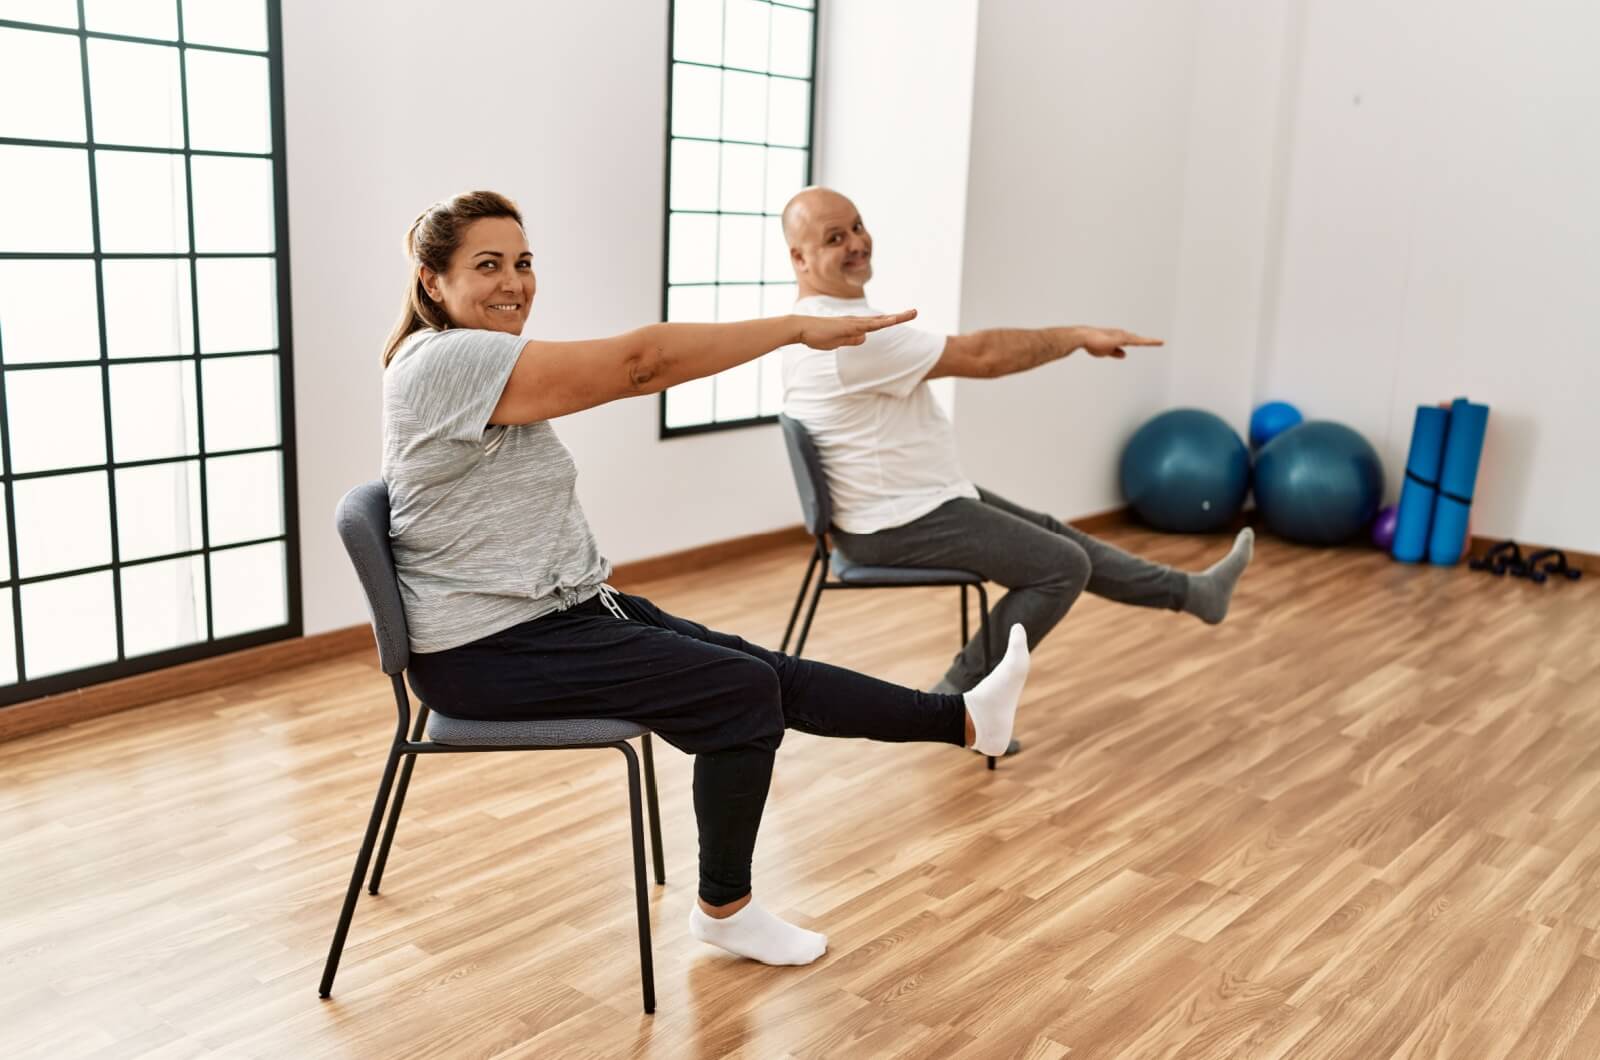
889, 452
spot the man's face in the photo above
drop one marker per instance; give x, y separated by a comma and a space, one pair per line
833, 252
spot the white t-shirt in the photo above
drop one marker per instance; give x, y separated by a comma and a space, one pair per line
887, 447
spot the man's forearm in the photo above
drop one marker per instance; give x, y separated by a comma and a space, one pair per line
1004, 351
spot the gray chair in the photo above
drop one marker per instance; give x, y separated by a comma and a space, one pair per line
816, 505
363, 522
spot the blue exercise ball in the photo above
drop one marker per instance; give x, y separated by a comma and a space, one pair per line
1186, 471
1319, 483
1270, 420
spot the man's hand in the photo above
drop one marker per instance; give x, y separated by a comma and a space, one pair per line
1112, 342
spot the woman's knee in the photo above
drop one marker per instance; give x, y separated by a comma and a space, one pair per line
753, 697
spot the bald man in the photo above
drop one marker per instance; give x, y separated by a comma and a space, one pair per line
899, 497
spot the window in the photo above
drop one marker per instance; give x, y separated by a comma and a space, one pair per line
738, 146
145, 421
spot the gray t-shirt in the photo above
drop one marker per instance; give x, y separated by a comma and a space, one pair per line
484, 521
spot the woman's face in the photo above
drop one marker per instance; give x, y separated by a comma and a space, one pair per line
489, 284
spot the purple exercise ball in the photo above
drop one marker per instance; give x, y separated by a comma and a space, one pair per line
1383, 527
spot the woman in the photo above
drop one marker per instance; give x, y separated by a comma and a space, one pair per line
504, 587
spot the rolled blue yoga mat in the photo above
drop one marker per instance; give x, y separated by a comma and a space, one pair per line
1458, 474
1415, 517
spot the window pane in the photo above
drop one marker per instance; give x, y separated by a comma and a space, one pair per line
238, 304
745, 39
241, 402
148, 308
5, 540
744, 106
737, 393
232, 205
791, 42
247, 589
44, 200
786, 174
696, 305
689, 404
153, 411
697, 30
8, 640
47, 312
230, 23
244, 497
68, 624
775, 253
694, 175
692, 239
44, 12
229, 103
696, 103
158, 509
739, 249
41, 86
143, 202
133, 18
790, 112
738, 303
772, 383
777, 299
163, 605
136, 93
742, 177
63, 523
57, 418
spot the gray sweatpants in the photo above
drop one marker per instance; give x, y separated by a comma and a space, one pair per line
1044, 563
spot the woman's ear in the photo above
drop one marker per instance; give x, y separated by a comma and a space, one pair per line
430, 282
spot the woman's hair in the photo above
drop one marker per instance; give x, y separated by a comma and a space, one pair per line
431, 241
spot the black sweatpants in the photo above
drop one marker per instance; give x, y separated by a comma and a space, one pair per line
713, 695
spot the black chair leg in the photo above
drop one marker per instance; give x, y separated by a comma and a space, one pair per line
399, 801
800, 599
983, 631
647, 973
360, 873
654, 810
964, 635
811, 613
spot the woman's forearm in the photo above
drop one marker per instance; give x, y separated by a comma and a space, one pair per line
664, 355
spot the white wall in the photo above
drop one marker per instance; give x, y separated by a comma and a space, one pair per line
1074, 208
1442, 238
894, 105
390, 106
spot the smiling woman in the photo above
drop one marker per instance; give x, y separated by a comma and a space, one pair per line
503, 584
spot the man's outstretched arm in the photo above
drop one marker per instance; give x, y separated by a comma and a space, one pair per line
1003, 351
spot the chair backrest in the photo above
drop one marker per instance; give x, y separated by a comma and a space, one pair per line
363, 521
809, 481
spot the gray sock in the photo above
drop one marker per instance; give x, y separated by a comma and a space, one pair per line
1211, 590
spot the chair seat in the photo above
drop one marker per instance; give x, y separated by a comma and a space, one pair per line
866, 574
569, 731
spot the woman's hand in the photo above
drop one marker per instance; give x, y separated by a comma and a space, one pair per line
829, 333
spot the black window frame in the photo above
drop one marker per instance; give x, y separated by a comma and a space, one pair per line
24, 688
665, 432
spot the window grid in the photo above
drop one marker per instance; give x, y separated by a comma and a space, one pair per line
751, 383
197, 459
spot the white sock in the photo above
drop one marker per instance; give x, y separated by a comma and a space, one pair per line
993, 701
755, 933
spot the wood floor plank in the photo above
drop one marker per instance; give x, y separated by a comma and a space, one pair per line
1356, 819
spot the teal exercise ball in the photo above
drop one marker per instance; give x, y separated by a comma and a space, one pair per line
1318, 483
1186, 472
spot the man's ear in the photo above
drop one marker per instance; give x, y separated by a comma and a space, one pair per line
797, 259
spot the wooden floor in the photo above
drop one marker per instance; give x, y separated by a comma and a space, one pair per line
1359, 819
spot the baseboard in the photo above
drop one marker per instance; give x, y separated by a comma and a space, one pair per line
1109, 519
696, 559
109, 697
